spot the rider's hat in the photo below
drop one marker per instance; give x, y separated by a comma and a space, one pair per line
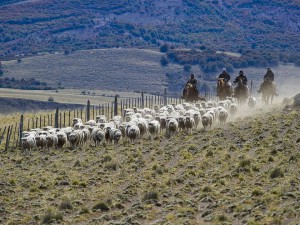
241, 72
192, 75
224, 69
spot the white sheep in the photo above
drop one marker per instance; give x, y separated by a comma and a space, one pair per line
207, 120
133, 133
98, 136
154, 128
172, 127
252, 102
223, 114
233, 109
28, 143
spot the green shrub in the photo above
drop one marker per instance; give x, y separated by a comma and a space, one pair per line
277, 172
101, 206
150, 196
51, 216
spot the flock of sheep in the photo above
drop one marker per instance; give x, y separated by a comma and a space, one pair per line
136, 123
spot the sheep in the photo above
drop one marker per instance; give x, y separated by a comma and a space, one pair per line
86, 134
181, 123
122, 128
41, 141
28, 143
154, 128
61, 139
90, 123
172, 127
143, 126
52, 141
252, 102
148, 117
133, 133
78, 126
47, 128
101, 119
207, 120
163, 123
98, 136
189, 123
118, 119
233, 109
223, 114
197, 118
74, 138
115, 135
76, 120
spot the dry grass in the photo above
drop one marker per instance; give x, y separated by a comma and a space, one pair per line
238, 174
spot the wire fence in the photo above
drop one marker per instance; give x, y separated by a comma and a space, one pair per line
10, 136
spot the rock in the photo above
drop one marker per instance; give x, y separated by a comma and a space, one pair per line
297, 100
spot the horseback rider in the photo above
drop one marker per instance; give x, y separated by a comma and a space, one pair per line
193, 82
268, 78
269, 75
241, 76
225, 75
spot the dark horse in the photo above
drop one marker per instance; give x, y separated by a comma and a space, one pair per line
223, 90
268, 90
241, 92
191, 94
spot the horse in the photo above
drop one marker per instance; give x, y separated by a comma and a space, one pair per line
223, 90
191, 94
241, 92
268, 90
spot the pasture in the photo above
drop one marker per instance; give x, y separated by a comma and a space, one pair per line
123, 70
245, 172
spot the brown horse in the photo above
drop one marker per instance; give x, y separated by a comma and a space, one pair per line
191, 94
268, 90
241, 92
223, 90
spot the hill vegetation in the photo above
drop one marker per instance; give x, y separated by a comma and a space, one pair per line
248, 27
245, 172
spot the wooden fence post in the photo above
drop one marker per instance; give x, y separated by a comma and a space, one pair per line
7, 139
1, 138
64, 119
251, 88
116, 106
56, 118
165, 97
60, 119
93, 112
69, 118
21, 128
143, 106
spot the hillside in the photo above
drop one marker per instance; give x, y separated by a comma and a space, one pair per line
131, 70
11, 105
30, 27
246, 172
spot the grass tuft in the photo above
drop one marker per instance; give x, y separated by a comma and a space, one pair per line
277, 172
51, 216
101, 206
65, 204
150, 196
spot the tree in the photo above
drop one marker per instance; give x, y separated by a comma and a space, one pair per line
164, 61
187, 67
164, 48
